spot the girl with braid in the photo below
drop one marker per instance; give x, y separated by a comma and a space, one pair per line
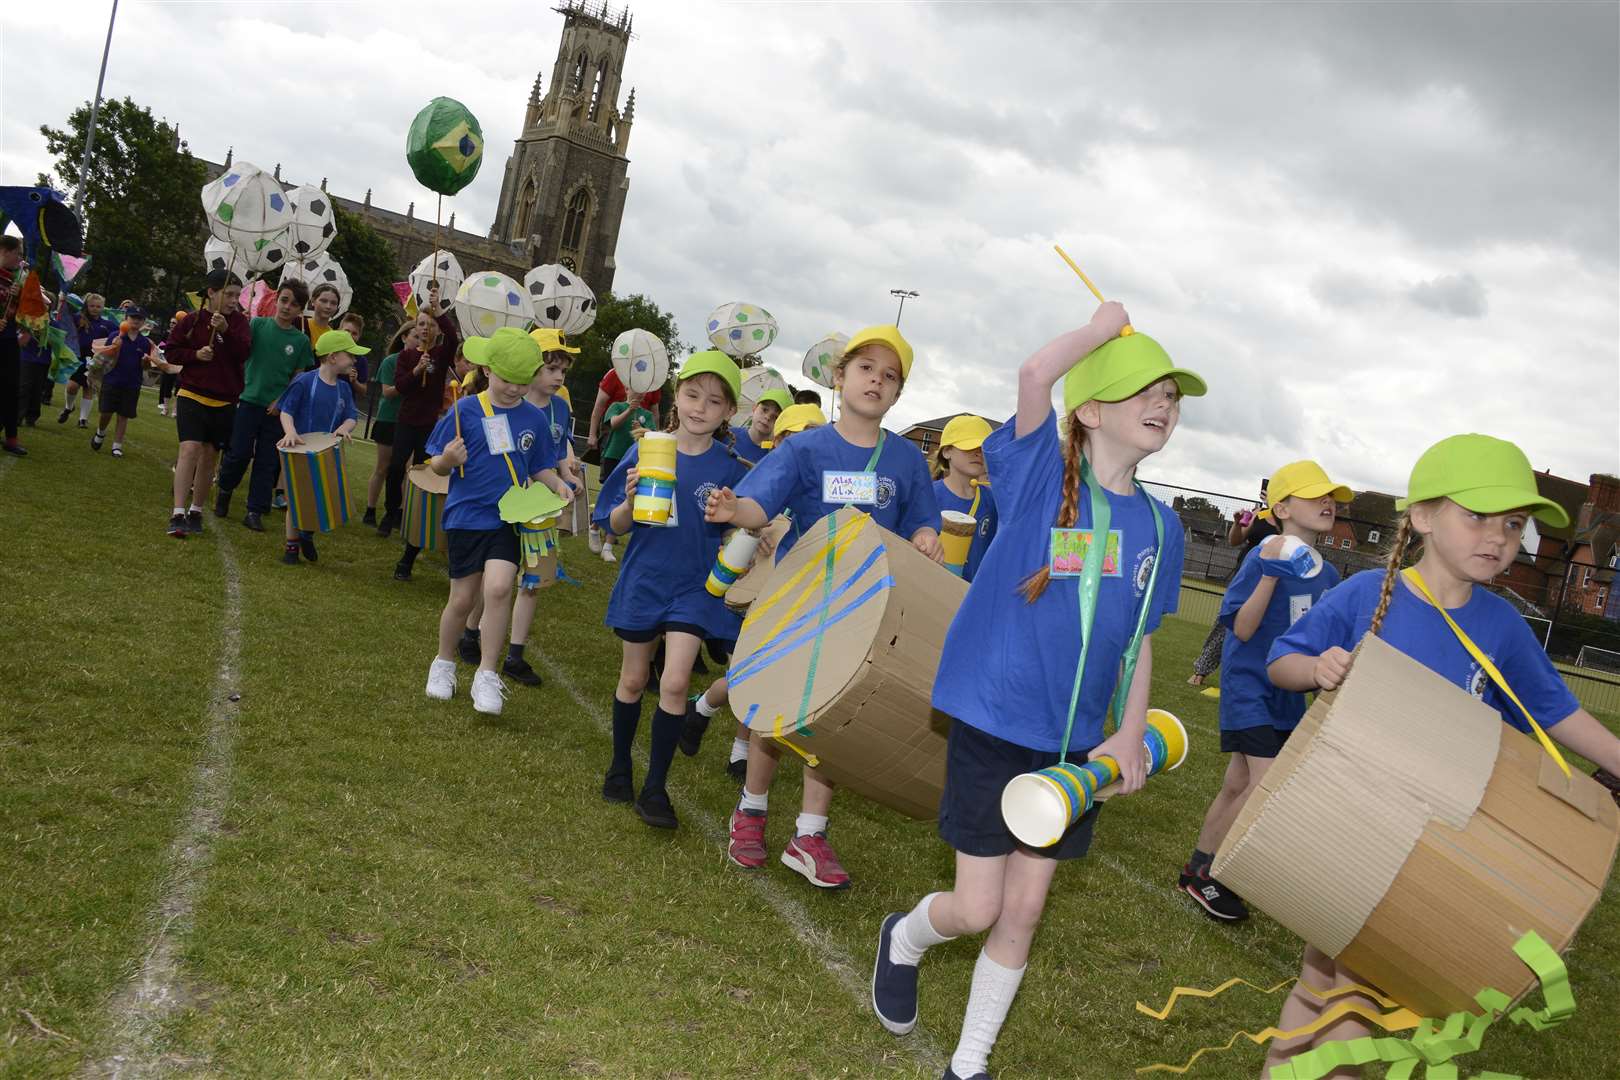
1467, 505
1013, 676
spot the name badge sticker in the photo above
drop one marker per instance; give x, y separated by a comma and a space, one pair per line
1067, 557
849, 488
498, 434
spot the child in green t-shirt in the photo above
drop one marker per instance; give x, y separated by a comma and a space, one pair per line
625, 423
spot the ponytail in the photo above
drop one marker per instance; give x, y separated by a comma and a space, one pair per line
1392, 571
1069, 513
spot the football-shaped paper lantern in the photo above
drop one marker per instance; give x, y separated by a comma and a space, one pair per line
321, 270
560, 298
219, 255
443, 265
445, 146
489, 300
245, 206
755, 381
313, 226
822, 357
739, 329
641, 361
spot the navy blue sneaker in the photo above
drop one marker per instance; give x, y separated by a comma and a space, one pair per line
894, 986
950, 1074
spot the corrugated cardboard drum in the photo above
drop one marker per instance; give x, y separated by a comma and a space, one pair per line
839, 660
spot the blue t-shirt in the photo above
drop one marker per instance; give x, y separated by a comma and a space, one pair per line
1008, 666
474, 499
985, 515
789, 478
1248, 698
662, 575
747, 449
1413, 627
315, 406
560, 423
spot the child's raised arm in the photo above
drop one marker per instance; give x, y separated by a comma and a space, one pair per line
1052, 361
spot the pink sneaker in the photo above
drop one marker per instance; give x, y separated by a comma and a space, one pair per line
813, 857
747, 848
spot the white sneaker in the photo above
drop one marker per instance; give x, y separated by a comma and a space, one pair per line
607, 553
593, 538
162, 411
488, 692
441, 684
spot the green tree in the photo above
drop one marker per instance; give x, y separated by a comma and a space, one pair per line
368, 262
142, 209
615, 315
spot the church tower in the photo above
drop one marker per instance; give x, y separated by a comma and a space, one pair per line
562, 196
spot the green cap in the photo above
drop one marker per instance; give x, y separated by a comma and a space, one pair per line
508, 352
1482, 474
338, 341
780, 398
1122, 367
717, 362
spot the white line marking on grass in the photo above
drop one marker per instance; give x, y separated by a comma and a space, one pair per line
138, 1011
852, 976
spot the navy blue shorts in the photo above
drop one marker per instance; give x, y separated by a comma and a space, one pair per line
978, 766
470, 549
1261, 742
642, 637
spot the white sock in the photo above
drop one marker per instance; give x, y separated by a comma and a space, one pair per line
117, 445
994, 988
914, 934
84, 409
179, 511
195, 509
809, 824
739, 749
67, 406
750, 801
703, 706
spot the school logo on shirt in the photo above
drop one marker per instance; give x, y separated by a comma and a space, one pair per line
1478, 682
556, 433
526, 441
288, 349
1143, 571
702, 493
885, 491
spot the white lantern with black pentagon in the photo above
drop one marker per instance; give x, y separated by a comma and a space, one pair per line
245, 206
321, 270
821, 359
313, 225
640, 360
489, 300
220, 255
740, 329
560, 298
441, 266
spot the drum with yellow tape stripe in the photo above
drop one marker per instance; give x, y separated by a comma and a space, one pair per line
837, 658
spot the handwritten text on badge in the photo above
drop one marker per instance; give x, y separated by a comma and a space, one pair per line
849, 487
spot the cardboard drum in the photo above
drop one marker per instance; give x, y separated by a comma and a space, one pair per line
317, 499
1409, 833
837, 658
425, 491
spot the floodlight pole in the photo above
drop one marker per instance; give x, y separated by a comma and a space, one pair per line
95, 111
904, 295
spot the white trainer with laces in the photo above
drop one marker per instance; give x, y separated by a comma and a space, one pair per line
488, 692
607, 553
441, 684
594, 539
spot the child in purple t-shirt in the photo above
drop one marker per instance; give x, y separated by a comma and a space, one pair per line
124, 357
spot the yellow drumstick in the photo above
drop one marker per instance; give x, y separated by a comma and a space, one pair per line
1127, 331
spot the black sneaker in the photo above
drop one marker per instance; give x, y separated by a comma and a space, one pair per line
654, 809
402, 572
253, 520
222, 504
470, 650
894, 986
390, 522
177, 526
737, 770
618, 787
194, 525
84, 423
1216, 899
519, 670
950, 1074
95, 440
289, 555
692, 731
371, 516
306, 544
61, 417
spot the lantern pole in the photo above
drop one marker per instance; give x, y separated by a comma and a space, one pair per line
90, 128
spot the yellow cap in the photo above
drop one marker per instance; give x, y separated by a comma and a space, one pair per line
550, 339
1304, 479
797, 418
965, 432
884, 335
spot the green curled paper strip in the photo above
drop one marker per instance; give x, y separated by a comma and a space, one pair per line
1436, 1042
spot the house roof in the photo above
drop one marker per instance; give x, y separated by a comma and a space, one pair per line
938, 423
1569, 494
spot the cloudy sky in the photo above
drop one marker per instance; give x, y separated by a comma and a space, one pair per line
1368, 226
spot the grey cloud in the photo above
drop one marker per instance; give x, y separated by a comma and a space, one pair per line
1461, 295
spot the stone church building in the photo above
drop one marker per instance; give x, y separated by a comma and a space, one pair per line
562, 194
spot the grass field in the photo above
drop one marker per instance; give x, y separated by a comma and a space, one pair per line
403, 888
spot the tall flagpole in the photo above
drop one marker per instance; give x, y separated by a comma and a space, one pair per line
95, 111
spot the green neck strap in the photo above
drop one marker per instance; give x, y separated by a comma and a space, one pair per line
1090, 580
877, 451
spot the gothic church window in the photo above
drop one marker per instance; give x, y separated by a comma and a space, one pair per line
526, 209
574, 224
579, 72
596, 88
